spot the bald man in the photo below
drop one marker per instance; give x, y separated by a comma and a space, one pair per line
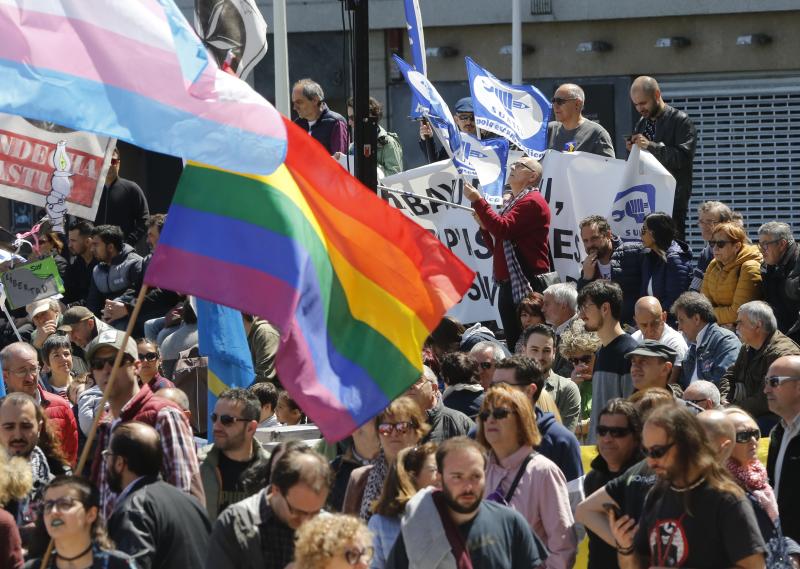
720, 430
670, 136
571, 131
651, 321
524, 225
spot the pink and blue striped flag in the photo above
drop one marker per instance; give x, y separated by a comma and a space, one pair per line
134, 70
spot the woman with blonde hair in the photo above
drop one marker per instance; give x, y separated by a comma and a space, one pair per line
734, 276
401, 425
334, 541
414, 470
16, 482
579, 347
520, 477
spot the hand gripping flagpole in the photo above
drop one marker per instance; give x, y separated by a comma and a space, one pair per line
100, 408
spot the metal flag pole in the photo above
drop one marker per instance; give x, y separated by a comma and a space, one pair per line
413, 195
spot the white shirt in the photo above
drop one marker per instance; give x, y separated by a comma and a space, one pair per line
697, 342
669, 337
605, 270
790, 431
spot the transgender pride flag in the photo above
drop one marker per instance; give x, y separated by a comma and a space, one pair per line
136, 71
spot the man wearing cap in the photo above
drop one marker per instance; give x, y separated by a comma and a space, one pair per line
571, 131
82, 326
128, 402
464, 118
651, 366
44, 314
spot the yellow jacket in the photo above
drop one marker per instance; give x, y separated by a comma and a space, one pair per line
728, 287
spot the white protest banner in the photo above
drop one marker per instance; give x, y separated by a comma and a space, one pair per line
579, 184
454, 227
34, 171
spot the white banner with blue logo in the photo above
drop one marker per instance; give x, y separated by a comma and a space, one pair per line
487, 161
519, 113
416, 42
578, 184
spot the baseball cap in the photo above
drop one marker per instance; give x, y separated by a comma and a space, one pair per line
74, 315
112, 338
654, 349
464, 105
37, 307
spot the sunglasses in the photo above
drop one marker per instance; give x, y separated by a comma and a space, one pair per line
486, 365
775, 380
499, 413
355, 556
149, 356
581, 360
226, 420
718, 244
745, 436
400, 428
99, 363
615, 432
656, 451
560, 100
516, 165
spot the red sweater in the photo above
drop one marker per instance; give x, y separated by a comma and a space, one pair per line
527, 225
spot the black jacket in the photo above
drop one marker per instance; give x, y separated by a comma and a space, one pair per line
123, 203
671, 278
789, 491
626, 271
675, 138
446, 423
781, 286
160, 526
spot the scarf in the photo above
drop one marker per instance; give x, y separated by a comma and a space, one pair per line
372, 491
753, 477
457, 543
520, 287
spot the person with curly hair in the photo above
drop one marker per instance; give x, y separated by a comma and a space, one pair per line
336, 541
579, 347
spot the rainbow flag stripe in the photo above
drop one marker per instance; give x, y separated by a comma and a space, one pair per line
353, 285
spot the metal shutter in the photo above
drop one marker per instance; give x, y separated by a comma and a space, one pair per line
748, 151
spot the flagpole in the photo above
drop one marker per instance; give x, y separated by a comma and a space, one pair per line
430, 199
280, 46
516, 43
87, 447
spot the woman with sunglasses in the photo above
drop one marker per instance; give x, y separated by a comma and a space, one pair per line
667, 262
401, 425
520, 477
414, 470
734, 275
333, 542
579, 347
150, 368
71, 518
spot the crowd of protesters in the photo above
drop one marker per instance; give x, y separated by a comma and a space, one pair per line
673, 364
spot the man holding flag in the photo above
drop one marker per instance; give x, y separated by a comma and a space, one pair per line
517, 236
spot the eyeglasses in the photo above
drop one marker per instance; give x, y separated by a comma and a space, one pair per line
585, 360
718, 244
763, 246
226, 420
297, 512
499, 413
355, 556
466, 117
656, 451
149, 356
775, 380
100, 363
745, 436
24, 372
61, 505
401, 428
615, 432
585, 306
561, 100
516, 165
486, 365
695, 401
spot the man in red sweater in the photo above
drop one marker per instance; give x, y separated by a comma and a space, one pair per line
517, 236
21, 373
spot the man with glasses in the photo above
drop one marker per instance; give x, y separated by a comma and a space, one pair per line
153, 522
704, 394
128, 402
21, 374
123, 203
258, 532
571, 131
486, 354
445, 422
782, 388
234, 467
464, 117
780, 275
518, 237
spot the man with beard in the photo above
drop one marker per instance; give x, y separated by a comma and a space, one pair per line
455, 527
123, 203
81, 264
600, 306
153, 522
670, 136
608, 258
233, 468
696, 515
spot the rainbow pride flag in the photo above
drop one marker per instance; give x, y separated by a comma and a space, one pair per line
354, 286
133, 70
